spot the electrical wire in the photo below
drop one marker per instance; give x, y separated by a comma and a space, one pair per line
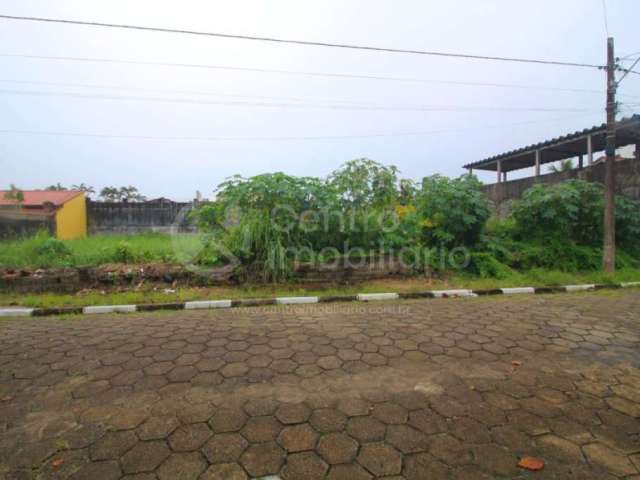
282, 138
604, 14
295, 72
302, 42
418, 108
628, 70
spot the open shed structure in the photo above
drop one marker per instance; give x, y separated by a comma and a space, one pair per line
578, 144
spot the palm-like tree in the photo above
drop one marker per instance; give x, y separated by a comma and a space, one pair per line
87, 189
565, 166
110, 194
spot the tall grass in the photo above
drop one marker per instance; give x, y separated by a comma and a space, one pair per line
99, 250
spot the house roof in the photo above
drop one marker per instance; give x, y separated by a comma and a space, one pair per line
37, 198
560, 148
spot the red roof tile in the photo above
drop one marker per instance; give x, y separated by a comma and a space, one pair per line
37, 198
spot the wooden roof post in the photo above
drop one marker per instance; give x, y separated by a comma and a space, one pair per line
538, 155
589, 150
499, 169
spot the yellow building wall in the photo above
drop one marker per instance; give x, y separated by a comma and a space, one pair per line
71, 219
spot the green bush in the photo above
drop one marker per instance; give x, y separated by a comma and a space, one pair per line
54, 248
486, 265
572, 212
454, 211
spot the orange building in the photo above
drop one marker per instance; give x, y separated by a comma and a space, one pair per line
64, 211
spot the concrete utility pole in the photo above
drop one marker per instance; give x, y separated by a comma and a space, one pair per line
609, 245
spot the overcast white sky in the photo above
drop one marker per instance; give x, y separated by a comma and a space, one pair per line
571, 30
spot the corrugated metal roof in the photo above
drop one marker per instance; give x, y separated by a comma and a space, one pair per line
595, 130
37, 198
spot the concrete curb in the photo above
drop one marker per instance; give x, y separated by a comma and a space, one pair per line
258, 302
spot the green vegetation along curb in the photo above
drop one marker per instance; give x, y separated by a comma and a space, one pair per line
362, 297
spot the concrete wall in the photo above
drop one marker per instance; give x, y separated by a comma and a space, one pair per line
131, 217
71, 219
13, 225
627, 182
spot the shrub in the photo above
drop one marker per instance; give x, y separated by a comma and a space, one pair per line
124, 253
486, 265
52, 249
454, 211
572, 212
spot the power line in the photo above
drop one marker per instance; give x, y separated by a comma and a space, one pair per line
302, 42
418, 108
283, 138
604, 14
297, 72
179, 92
629, 70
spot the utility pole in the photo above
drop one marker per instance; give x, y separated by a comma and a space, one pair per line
609, 245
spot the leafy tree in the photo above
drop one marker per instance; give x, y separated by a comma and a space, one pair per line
454, 211
14, 193
110, 194
565, 166
572, 212
88, 190
365, 183
56, 188
131, 194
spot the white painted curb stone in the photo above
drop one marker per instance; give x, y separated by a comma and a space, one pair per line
579, 288
453, 293
518, 290
15, 312
109, 309
369, 297
205, 304
630, 284
295, 300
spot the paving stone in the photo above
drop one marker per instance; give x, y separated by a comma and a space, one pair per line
390, 413
260, 407
366, 429
337, 448
224, 471
354, 407
145, 457
380, 459
227, 420
189, 437
263, 459
289, 414
406, 439
327, 420
182, 466
298, 438
496, 460
351, 471
423, 466
225, 448
560, 448
125, 395
610, 459
109, 470
305, 465
261, 429
157, 427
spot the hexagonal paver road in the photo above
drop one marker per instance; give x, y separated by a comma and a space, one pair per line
437, 389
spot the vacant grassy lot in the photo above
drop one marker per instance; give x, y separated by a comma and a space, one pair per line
42, 251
